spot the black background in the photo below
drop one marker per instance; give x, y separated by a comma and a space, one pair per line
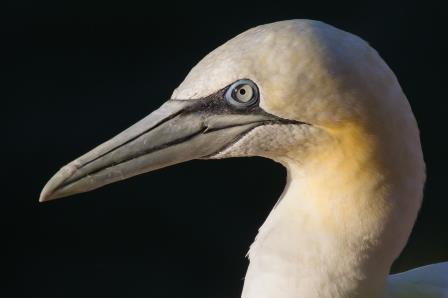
77, 73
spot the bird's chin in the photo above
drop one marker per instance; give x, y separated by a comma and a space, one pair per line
265, 140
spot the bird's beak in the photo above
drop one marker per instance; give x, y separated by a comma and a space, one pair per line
180, 130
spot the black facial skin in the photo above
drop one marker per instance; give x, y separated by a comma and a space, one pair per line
215, 104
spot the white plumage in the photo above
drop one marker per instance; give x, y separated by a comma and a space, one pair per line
351, 148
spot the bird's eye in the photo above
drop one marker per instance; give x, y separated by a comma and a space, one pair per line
242, 94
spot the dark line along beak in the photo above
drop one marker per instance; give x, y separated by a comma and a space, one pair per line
180, 130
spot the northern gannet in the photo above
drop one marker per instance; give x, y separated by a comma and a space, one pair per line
321, 102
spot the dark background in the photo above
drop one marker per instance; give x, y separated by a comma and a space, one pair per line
77, 73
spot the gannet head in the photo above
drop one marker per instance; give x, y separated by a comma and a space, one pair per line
293, 91
318, 100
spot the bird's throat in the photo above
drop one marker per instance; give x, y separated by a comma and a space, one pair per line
337, 229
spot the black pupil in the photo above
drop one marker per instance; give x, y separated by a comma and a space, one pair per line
242, 91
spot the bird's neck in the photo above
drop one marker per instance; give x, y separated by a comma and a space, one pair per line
339, 225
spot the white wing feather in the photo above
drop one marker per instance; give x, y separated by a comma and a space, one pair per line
429, 281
